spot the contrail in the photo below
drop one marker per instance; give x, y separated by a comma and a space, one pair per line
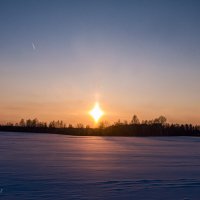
33, 46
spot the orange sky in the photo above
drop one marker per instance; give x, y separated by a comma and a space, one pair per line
57, 60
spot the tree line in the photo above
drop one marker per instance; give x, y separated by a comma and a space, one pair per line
135, 127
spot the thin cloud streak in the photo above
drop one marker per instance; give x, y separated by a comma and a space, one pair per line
33, 46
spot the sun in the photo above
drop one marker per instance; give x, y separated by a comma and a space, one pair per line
96, 112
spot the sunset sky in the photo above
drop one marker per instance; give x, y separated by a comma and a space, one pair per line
57, 58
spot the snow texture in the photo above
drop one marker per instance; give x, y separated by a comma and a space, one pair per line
48, 166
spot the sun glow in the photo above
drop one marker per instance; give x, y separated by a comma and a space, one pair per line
96, 112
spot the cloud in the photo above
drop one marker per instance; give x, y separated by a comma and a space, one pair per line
33, 45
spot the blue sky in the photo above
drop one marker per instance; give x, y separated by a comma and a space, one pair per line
135, 57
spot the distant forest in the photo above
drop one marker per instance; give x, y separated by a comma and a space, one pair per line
154, 127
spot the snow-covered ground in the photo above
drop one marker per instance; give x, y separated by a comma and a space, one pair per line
41, 166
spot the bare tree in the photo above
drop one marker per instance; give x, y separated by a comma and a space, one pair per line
135, 120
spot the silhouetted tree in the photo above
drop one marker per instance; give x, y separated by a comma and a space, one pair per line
79, 125
135, 120
87, 126
22, 123
28, 123
118, 123
154, 127
103, 124
70, 126
52, 124
9, 124
160, 120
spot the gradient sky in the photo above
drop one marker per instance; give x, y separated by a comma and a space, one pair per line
133, 56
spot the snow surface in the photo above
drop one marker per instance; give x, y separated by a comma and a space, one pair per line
41, 166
